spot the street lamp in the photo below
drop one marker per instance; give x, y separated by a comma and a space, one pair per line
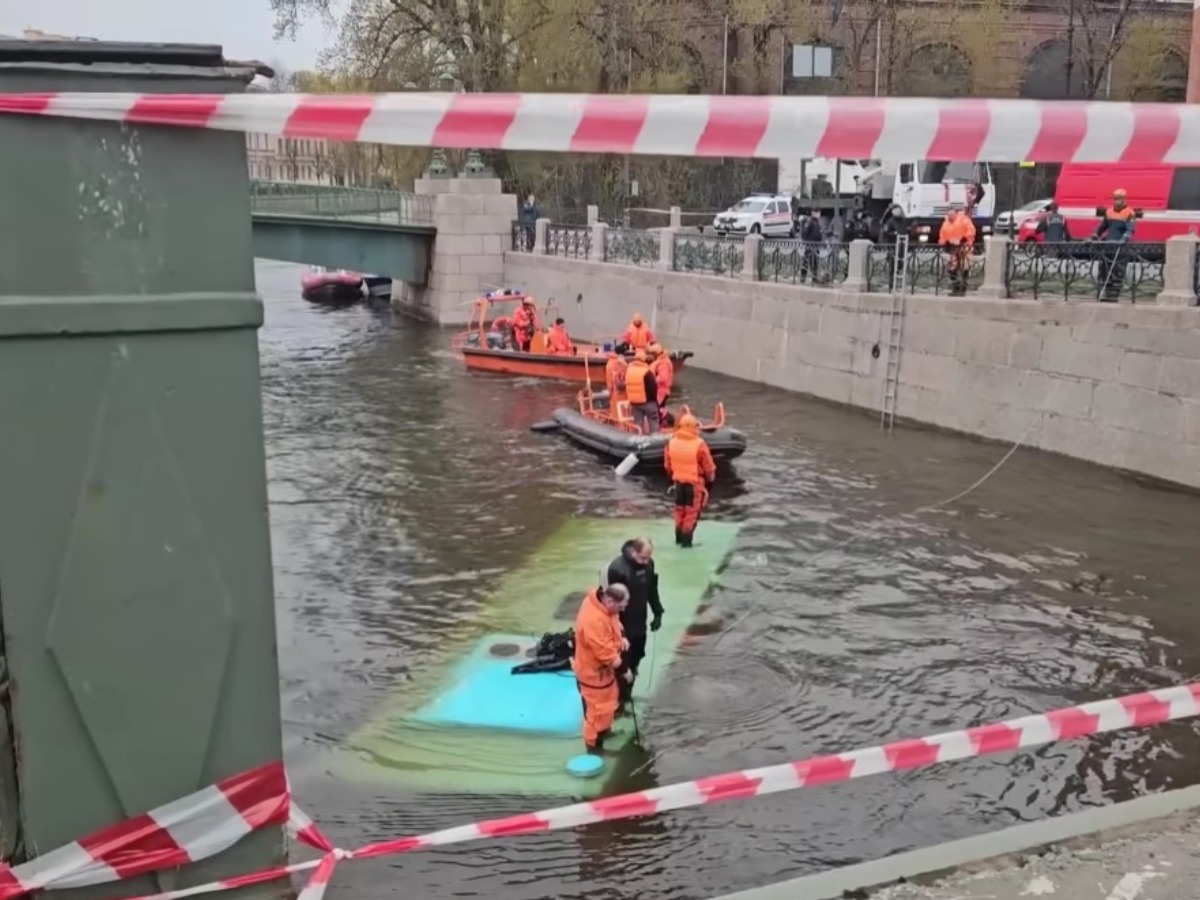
437, 164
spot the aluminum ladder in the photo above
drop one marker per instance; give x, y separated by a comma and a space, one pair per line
891, 378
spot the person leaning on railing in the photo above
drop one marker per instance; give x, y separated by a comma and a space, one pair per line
957, 235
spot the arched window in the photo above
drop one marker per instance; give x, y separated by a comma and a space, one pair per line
936, 70
1045, 76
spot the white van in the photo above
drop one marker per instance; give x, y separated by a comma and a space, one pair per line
770, 215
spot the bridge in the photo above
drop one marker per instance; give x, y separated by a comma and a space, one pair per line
370, 230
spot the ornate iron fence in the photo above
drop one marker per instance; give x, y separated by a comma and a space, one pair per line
798, 261
1085, 270
523, 236
708, 255
573, 241
634, 247
331, 202
927, 270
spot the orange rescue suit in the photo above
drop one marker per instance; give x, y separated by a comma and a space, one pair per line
961, 231
690, 464
558, 341
664, 376
614, 378
523, 325
635, 382
597, 655
639, 337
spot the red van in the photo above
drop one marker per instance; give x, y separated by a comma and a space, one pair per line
1166, 198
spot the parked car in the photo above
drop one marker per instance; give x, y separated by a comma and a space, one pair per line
771, 215
1006, 220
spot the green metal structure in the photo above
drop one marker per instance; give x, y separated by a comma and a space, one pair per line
364, 229
136, 589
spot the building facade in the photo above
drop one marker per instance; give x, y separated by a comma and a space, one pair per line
270, 157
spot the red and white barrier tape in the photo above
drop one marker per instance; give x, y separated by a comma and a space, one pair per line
146, 854
671, 125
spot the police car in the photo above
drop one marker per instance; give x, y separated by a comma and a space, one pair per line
770, 215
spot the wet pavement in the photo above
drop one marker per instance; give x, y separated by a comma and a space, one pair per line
402, 489
1159, 862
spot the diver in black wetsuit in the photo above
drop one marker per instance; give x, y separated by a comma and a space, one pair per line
634, 568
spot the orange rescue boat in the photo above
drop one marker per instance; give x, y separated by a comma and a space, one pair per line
488, 344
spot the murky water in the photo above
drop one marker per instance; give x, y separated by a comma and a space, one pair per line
401, 488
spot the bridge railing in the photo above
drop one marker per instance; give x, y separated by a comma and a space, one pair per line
333, 202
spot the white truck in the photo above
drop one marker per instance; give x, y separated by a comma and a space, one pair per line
923, 190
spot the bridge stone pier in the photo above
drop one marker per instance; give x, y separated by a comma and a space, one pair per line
473, 218
136, 598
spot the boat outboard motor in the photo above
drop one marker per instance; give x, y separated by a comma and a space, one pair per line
553, 654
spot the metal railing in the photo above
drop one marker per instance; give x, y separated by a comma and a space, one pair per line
572, 241
709, 255
927, 270
795, 262
632, 246
1085, 270
523, 236
331, 202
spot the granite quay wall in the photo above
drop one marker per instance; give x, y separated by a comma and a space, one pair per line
1116, 384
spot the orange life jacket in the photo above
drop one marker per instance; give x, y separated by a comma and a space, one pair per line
635, 382
522, 320
961, 230
664, 375
597, 643
688, 459
558, 341
614, 375
639, 337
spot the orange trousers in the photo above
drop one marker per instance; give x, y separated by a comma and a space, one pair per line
690, 500
599, 710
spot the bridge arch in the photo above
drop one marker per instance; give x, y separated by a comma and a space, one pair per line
937, 69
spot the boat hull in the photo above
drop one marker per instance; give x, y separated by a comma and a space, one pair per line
725, 443
577, 368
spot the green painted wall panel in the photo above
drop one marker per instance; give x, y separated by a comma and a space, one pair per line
135, 569
401, 251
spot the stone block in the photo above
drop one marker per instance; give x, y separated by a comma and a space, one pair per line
1183, 342
473, 185
457, 205
769, 310
1180, 377
1135, 409
803, 317
1139, 369
462, 283
483, 224
1024, 350
492, 243
823, 352
1191, 421
483, 264
924, 334
445, 264
457, 245
504, 205
838, 321
1063, 356
1080, 438
933, 371
983, 342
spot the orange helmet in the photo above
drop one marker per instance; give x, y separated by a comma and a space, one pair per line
637, 319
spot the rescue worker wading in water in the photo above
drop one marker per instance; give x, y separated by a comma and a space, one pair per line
641, 390
524, 321
634, 571
664, 378
599, 644
558, 342
690, 464
958, 237
638, 335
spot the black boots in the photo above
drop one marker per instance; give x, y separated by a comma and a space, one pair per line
678, 537
685, 540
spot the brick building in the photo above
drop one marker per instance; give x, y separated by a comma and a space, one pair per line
951, 48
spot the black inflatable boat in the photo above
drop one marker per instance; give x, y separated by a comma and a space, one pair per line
724, 442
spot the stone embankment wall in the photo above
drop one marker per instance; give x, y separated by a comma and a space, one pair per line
1114, 384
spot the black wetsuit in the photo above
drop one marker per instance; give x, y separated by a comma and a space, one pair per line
642, 583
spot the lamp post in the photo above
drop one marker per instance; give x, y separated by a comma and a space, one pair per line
437, 163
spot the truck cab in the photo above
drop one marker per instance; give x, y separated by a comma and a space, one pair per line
924, 190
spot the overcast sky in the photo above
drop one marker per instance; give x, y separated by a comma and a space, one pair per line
242, 27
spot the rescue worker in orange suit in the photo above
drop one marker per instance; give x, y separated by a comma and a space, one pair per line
664, 378
1115, 230
634, 571
599, 644
524, 321
958, 237
558, 342
641, 390
500, 333
614, 378
690, 465
638, 335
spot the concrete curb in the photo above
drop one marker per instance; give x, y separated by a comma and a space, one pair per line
942, 858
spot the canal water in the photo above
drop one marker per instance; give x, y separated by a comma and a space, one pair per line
401, 488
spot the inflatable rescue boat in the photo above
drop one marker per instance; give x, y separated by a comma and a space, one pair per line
322, 286
612, 431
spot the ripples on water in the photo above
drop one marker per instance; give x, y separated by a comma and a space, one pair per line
400, 487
